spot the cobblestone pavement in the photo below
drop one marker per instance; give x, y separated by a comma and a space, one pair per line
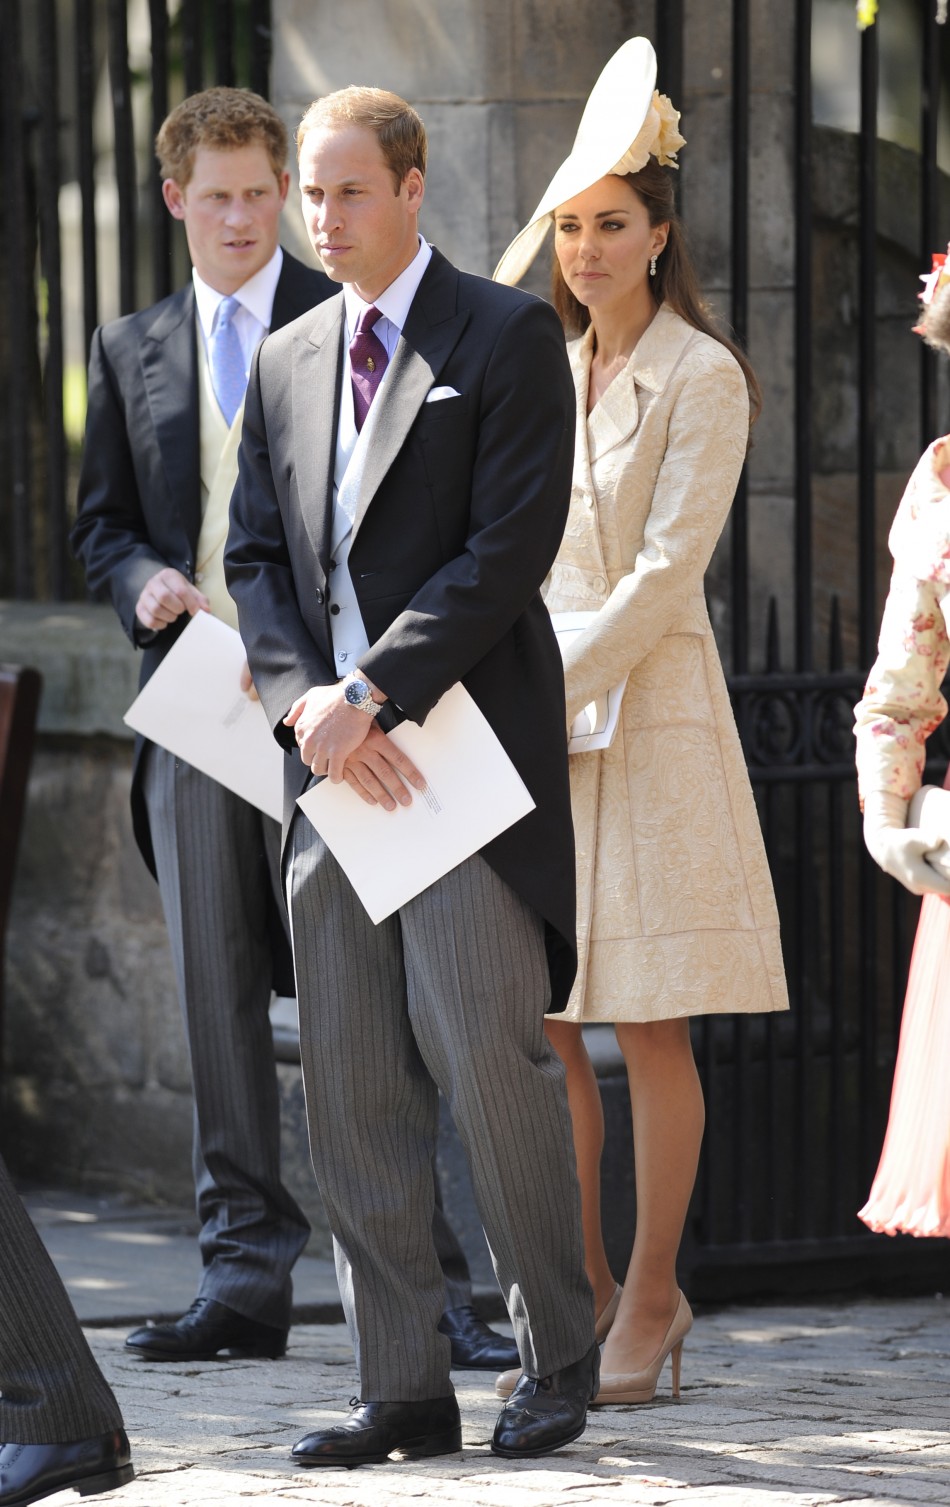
782, 1407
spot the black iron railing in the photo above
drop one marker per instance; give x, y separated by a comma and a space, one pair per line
796, 1104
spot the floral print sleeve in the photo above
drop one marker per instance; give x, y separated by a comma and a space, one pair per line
902, 702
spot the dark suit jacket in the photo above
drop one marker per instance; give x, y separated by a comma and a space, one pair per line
463, 505
140, 482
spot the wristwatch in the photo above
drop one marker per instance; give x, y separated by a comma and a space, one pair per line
358, 694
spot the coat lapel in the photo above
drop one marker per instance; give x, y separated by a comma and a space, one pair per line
580, 353
583, 521
615, 417
170, 371
431, 333
316, 382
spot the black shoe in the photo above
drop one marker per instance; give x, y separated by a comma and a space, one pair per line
475, 1347
31, 1471
543, 1413
205, 1329
377, 1431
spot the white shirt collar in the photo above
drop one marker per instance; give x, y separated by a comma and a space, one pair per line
395, 301
256, 295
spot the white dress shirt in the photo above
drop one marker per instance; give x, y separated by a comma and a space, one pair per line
347, 632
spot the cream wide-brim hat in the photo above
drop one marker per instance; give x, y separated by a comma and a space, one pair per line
625, 120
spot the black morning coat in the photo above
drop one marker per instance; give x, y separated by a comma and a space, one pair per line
462, 507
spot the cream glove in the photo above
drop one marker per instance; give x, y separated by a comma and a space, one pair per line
903, 852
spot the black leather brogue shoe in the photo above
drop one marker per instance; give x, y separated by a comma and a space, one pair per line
377, 1431
475, 1347
207, 1329
29, 1472
543, 1413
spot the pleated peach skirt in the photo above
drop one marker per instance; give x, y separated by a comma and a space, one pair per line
911, 1189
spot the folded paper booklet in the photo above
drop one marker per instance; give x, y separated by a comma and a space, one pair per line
596, 724
473, 793
194, 706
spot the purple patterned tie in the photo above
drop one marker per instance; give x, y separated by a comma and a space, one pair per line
368, 361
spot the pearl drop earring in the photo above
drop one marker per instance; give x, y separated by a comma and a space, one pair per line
653, 266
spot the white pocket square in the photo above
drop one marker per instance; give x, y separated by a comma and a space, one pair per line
435, 394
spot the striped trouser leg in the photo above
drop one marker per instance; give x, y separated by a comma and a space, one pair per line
450, 991
478, 986
52, 1390
211, 851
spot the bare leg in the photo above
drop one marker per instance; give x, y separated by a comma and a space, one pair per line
587, 1122
668, 1118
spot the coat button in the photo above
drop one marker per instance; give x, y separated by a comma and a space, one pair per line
335, 609
318, 594
599, 584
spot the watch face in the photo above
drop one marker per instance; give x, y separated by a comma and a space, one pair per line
356, 692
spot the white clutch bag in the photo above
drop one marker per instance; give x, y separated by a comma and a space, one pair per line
930, 811
595, 726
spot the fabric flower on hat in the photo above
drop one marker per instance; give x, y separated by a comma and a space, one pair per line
669, 140
658, 137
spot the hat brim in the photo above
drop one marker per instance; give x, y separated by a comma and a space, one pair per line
613, 117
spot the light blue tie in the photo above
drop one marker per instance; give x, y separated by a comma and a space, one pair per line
226, 358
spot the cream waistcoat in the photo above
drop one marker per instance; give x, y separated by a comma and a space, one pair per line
219, 469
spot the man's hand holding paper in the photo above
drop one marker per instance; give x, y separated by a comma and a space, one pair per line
165, 596
343, 743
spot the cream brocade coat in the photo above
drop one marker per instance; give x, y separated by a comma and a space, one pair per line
676, 914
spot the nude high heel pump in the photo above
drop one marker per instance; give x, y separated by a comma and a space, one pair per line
508, 1380
640, 1386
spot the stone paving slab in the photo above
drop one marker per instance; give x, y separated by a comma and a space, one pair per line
801, 1406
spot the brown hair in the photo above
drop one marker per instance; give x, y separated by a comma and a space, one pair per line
935, 321
675, 282
396, 126
222, 119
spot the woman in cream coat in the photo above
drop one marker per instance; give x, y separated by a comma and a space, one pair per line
676, 915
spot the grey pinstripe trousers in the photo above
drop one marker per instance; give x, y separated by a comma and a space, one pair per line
52, 1390
447, 994
217, 860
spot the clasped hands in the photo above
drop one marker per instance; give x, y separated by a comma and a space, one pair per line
911, 841
344, 743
